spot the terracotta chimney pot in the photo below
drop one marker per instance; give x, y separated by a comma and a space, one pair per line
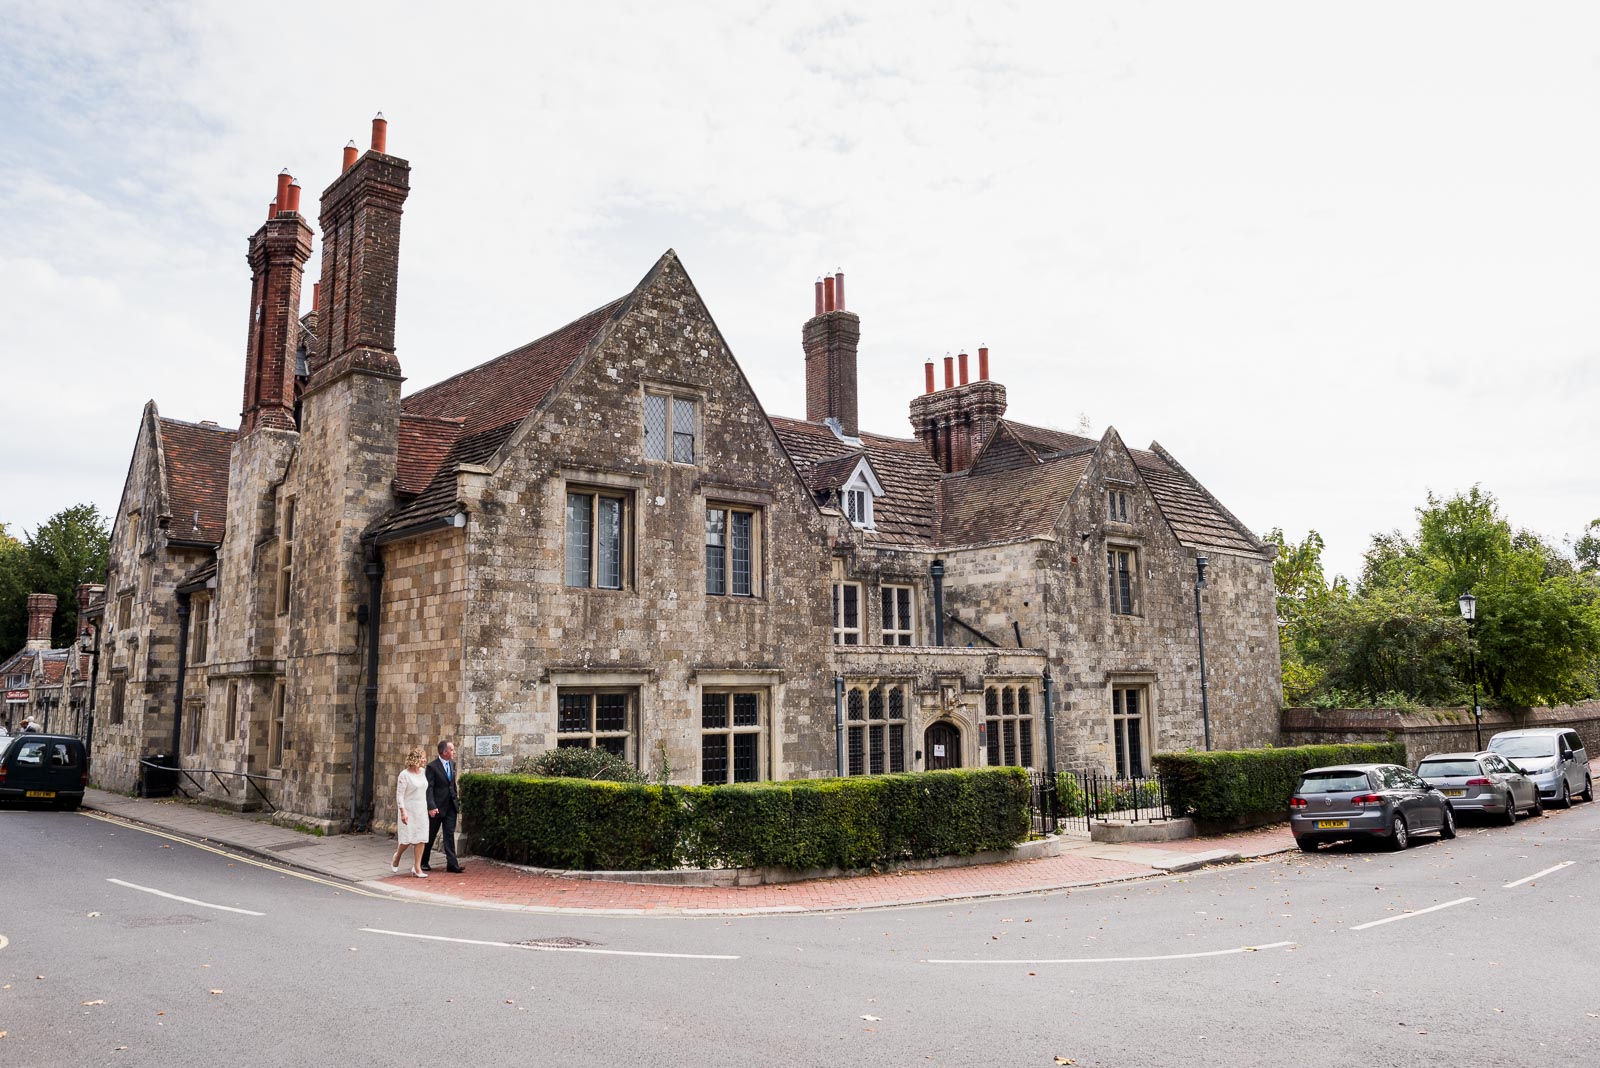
983, 362
350, 154
962, 361
927, 374
380, 133
949, 371
284, 179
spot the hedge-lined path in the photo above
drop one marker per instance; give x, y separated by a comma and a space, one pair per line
363, 859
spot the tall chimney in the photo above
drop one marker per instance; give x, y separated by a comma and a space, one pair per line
830, 338
361, 263
380, 133
949, 371
41, 615
955, 423
350, 154
927, 373
961, 360
983, 362
277, 256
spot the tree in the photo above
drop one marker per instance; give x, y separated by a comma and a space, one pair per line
1390, 646
1537, 633
1304, 600
71, 547
13, 593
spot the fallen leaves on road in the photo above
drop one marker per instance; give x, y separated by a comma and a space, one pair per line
1065, 1060
92, 915
870, 1019
96, 1001
118, 1049
214, 992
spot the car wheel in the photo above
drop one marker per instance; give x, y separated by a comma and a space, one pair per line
69, 806
1565, 800
1510, 817
1448, 830
1307, 845
1399, 833
1588, 787
1538, 806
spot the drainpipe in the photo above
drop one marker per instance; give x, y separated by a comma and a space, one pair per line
183, 668
936, 569
1050, 724
838, 724
369, 719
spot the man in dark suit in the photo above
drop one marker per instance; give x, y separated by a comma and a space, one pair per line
441, 775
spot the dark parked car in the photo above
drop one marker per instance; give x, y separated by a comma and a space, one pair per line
46, 768
1354, 801
1482, 782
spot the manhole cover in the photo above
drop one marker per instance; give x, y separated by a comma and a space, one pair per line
555, 943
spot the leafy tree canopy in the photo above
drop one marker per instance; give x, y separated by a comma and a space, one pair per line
71, 547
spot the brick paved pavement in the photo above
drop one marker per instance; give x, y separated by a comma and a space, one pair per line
363, 859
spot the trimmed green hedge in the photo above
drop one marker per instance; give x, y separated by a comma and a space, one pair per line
802, 824
1248, 784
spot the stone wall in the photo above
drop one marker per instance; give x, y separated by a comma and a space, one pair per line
1432, 730
661, 638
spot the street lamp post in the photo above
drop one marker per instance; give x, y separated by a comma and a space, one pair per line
1469, 612
1200, 631
89, 644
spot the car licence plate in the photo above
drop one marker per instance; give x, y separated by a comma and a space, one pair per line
1332, 825
1455, 793
41, 793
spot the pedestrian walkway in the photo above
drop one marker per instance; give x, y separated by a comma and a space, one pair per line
363, 859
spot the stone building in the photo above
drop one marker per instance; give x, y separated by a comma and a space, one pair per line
47, 685
601, 538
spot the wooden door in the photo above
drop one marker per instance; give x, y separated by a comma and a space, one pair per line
941, 747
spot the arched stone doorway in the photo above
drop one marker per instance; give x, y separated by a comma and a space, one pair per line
941, 746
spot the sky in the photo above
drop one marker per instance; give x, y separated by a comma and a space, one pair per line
1332, 257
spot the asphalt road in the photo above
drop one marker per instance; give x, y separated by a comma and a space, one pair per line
1287, 961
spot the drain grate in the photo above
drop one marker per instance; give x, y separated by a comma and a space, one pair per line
555, 943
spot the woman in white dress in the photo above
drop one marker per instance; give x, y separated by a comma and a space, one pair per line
411, 802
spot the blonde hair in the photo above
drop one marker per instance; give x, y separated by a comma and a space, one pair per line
416, 757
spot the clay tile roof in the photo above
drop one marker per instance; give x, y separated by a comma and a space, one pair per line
904, 514
55, 668
485, 404
17, 663
830, 474
197, 479
424, 443
1043, 440
1014, 503
1194, 517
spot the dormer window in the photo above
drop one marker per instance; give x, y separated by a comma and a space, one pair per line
857, 494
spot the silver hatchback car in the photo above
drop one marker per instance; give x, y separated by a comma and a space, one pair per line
1351, 801
1482, 782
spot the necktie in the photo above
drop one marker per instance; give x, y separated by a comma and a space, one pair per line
447, 775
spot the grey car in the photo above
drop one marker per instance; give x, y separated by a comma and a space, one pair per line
1353, 801
1482, 782
1553, 757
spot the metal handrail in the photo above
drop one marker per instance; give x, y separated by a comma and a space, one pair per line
217, 773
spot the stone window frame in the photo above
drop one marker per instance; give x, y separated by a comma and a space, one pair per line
1116, 505
124, 609
843, 632
1124, 746
872, 744
672, 402
1123, 598
285, 553
230, 709
897, 627
727, 550
119, 696
200, 639
596, 492
730, 731
194, 726
593, 736
276, 728
1011, 703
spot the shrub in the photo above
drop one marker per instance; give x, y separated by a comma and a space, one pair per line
802, 824
1249, 784
574, 762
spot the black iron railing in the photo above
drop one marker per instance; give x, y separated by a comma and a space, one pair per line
1070, 800
155, 771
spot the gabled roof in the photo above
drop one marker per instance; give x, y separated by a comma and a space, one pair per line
195, 468
17, 661
904, 515
485, 405
1008, 503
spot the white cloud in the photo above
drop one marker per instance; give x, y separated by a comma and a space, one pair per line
1331, 259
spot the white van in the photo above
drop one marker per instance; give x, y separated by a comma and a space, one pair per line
1553, 757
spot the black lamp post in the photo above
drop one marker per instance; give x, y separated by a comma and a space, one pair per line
1200, 631
1469, 612
89, 644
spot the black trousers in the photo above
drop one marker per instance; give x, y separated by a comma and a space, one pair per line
447, 822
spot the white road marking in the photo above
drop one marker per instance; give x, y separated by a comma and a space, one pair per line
185, 900
240, 858
1537, 874
1124, 960
548, 949
1408, 915
4, 942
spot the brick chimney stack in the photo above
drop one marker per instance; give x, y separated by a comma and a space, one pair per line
954, 423
361, 263
277, 256
830, 338
41, 616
